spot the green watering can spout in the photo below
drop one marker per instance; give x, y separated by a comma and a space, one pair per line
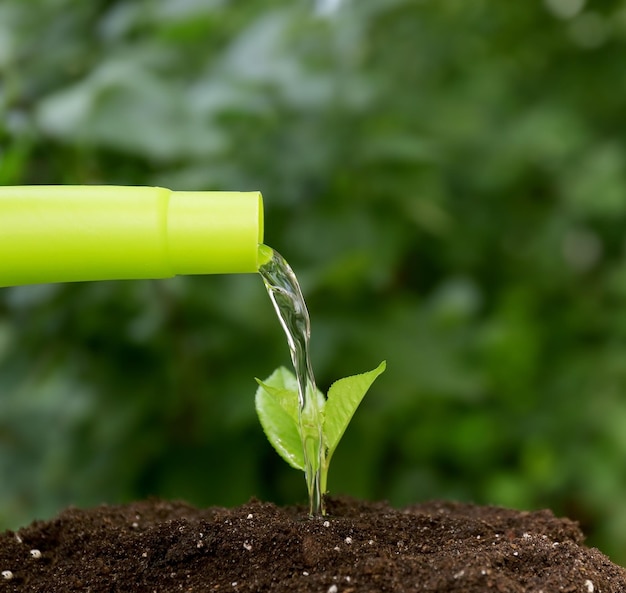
76, 233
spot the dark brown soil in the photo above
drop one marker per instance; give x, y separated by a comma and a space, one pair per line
158, 546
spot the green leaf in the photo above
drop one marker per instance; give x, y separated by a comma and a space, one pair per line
277, 407
344, 397
282, 385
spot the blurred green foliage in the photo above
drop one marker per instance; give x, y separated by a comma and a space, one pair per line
448, 180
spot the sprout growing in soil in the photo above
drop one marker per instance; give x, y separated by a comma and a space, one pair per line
277, 406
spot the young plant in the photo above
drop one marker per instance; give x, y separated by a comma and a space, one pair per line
282, 420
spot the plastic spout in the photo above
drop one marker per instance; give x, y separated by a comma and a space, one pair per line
76, 233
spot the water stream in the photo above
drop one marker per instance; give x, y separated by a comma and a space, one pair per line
286, 296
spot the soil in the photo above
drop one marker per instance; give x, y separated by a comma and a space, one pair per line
159, 546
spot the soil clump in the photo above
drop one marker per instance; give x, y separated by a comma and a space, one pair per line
360, 547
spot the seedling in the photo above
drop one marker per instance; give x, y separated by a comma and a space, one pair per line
277, 406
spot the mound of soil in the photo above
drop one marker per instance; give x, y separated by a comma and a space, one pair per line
158, 546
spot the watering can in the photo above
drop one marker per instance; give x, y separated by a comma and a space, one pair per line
75, 233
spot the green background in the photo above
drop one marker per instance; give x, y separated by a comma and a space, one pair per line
448, 180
